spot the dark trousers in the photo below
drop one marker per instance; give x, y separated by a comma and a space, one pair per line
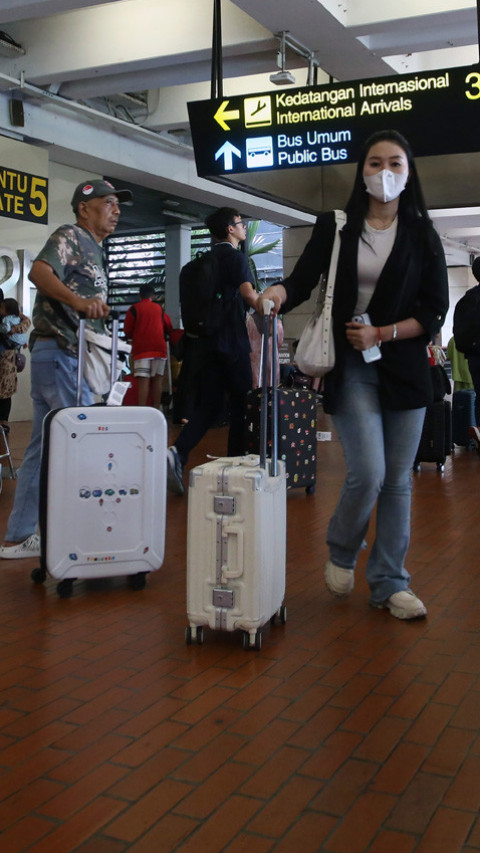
474, 367
188, 379
5, 406
218, 378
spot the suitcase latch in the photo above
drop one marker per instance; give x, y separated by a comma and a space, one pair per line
224, 504
223, 598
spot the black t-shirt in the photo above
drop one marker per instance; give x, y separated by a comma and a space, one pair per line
232, 340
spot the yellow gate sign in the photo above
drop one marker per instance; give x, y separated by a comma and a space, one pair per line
23, 196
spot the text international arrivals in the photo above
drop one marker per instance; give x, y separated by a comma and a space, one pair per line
328, 102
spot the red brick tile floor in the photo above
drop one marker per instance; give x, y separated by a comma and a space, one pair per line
349, 731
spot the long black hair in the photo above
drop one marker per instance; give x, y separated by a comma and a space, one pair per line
411, 205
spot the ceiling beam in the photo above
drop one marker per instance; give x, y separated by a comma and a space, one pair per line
423, 32
138, 40
19, 10
83, 138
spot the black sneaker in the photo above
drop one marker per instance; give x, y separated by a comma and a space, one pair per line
174, 472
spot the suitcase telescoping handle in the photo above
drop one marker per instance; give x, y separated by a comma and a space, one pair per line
81, 352
267, 319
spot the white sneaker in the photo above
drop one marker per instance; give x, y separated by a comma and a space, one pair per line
404, 605
474, 434
339, 581
28, 548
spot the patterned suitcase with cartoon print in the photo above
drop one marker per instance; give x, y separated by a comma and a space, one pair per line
297, 433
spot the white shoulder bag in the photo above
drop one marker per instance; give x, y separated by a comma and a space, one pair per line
315, 355
98, 359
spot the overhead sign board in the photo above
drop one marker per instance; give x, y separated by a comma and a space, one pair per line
23, 196
438, 112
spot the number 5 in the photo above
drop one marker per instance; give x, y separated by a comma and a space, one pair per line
38, 192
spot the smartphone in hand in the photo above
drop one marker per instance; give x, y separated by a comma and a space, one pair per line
373, 353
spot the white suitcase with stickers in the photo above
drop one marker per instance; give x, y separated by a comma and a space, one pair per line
102, 494
236, 540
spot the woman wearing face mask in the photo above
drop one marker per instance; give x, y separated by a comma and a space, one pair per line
392, 267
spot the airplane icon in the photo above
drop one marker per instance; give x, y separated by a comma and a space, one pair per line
260, 107
258, 111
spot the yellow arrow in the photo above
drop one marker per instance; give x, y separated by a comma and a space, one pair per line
223, 115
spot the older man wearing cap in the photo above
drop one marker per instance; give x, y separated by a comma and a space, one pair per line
70, 277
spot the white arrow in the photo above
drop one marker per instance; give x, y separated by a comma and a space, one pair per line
227, 150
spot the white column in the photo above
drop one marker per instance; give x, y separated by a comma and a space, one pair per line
177, 253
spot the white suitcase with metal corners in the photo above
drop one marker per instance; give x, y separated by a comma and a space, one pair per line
102, 494
236, 543
235, 547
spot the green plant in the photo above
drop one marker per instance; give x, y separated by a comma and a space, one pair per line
256, 245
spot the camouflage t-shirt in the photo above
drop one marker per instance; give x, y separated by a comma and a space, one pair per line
77, 260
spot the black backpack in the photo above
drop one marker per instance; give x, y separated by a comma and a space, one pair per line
201, 295
466, 322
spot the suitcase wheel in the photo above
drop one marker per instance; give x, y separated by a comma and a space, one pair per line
65, 588
194, 633
137, 581
252, 641
282, 615
38, 575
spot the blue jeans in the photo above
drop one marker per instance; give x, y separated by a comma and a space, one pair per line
53, 386
474, 368
379, 446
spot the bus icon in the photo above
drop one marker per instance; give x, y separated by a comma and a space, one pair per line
259, 152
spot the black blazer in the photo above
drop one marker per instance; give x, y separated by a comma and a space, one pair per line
413, 283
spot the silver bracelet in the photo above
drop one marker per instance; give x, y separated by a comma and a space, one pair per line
395, 332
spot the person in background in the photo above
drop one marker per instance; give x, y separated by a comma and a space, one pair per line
474, 367
254, 329
147, 326
391, 266
223, 359
8, 370
10, 338
460, 371
70, 278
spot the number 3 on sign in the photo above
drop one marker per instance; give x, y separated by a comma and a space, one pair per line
473, 80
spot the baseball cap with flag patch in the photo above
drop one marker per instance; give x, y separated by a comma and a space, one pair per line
97, 189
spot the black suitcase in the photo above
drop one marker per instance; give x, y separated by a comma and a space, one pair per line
463, 416
436, 439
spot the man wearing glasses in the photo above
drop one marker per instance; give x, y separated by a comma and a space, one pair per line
222, 359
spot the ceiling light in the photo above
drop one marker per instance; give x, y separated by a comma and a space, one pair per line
186, 217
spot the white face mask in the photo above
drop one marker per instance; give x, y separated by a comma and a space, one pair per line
386, 185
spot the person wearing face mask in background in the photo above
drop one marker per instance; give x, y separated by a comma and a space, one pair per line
392, 267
